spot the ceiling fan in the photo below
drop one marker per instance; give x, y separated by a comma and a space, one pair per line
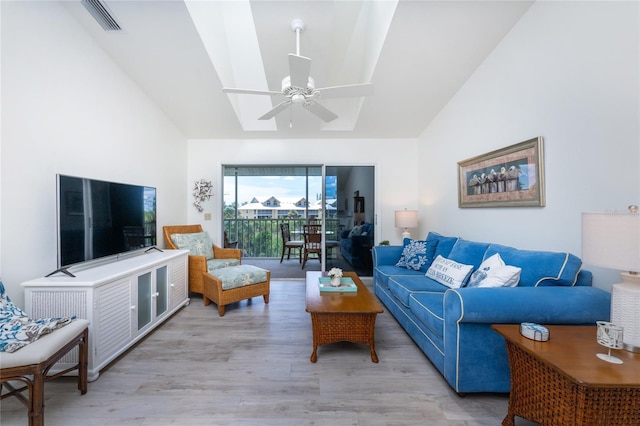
299, 87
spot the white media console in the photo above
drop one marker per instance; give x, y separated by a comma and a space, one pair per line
124, 300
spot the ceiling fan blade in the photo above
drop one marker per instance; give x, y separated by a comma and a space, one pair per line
348, 91
320, 111
250, 92
299, 68
276, 110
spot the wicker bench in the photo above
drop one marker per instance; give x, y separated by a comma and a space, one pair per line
30, 365
235, 283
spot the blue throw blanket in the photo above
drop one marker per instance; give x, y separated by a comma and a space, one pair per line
18, 330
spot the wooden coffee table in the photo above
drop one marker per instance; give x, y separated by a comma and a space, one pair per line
563, 382
341, 317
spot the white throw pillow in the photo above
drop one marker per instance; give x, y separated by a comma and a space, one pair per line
494, 273
448, 272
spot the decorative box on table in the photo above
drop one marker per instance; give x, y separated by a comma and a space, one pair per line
346, 285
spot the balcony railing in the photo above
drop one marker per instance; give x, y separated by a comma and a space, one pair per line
262, 237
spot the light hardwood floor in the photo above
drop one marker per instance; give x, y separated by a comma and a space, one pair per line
251, 367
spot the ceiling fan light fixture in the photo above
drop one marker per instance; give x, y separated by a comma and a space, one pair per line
298, 98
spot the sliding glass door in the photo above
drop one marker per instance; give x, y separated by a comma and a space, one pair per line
259, 200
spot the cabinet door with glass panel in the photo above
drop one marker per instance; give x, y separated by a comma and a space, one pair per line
152, 296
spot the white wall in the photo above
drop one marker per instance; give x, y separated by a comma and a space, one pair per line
67, 108
396, 178
568, 71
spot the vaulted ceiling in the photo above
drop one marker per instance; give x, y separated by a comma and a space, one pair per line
417, 54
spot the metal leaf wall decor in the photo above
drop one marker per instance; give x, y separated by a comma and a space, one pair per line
202, 191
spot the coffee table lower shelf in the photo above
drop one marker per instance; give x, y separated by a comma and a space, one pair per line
343, 327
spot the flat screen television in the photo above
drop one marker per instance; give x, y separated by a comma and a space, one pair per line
98, 219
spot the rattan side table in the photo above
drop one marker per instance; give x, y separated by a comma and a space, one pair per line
562, 382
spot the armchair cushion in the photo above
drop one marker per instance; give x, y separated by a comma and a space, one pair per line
213, 264
198, 244
240, 276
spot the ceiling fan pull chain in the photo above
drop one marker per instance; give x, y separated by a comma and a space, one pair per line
291, 116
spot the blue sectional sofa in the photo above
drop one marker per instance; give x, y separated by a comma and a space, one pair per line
452, 325
355, 244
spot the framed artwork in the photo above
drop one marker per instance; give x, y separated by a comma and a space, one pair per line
508, 177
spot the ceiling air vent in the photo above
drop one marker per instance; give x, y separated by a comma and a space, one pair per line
101, 14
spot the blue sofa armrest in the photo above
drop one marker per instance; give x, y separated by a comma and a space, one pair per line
386, 255
478, 361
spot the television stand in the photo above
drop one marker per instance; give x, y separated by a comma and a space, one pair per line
124, 301
63, 270
153, 248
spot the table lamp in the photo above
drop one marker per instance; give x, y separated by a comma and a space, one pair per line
406, 219
612, 240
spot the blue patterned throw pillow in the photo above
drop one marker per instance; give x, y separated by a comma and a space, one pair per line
417, 254
18, 330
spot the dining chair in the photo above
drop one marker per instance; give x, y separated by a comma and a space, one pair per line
312, 242
229, 244
288, 243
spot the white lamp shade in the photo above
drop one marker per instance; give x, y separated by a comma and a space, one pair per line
406, 218
611, 240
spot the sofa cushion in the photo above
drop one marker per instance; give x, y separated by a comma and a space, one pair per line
385, 272
417, 254
429, 310
444, 244
449, 272
198, 244
539, 268
468, 252
403, 286
494, 273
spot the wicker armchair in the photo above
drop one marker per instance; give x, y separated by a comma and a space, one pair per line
197, 264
